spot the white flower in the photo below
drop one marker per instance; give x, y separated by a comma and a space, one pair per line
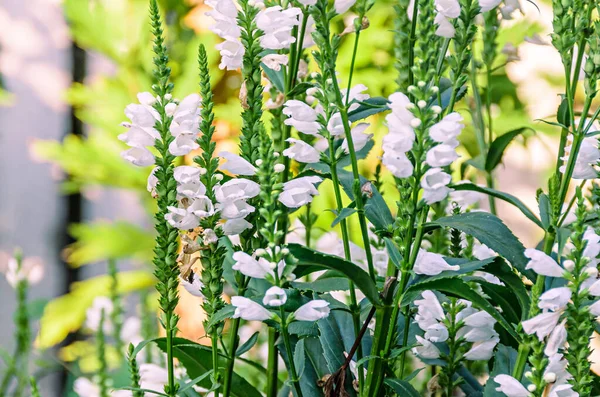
251, 267
425, 349
448, 8
209, 236
182, 218
139, 136
341, 6
482, 350
435, 185
587, 157
592, 247
510, 386
302, 151
139, 156
274, 297
234, 209
445, 27
429, 310
232, 53
359, 138
101, 304
235, 189
542, 264
335, 125
30, 270
437, 333
441, 155
249, 310
312, 311
274, 61
397, 163
235, 226
356, 95
202, 207
194, 287
301, 116
225, 14
399, 141
448, 129
542, 324
399, 119
557, 339
299, 191
487, 5
277, 24
555, 299
432, 264
236, 164
183, 144
595, 308
308, 2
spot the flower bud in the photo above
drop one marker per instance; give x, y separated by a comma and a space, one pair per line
421, 104
279, 168
550, 377
531, 388
415, 123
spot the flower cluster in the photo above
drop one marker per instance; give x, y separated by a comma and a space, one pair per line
141, 132
473, 326
447, 10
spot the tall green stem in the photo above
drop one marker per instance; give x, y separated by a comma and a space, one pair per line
272, 364
290, 354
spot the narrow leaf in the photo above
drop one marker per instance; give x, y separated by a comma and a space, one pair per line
247, 345
402, 387
499, 145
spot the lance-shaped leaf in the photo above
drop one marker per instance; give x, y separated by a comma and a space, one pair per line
309, 257
368, 108
497, 148
509, 198
491, 231
402, 387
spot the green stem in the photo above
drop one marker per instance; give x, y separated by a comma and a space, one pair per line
288, 348
215, 360
170, 358
233, 345
272, 364
412, 40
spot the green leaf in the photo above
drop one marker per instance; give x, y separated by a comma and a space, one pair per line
563, 113
194, 382
393, 252
197, 360
502, 297
300, 89
509, 198
544, 204
504, 362
501, 270
274, 77
368, 108
457, 287
299, 358
466, 267
491, 231
308, 257
247, 345
345, 213
223, 314
322, 285
497, 148
402, 387
158, 393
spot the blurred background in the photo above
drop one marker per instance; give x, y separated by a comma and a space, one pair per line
68, 69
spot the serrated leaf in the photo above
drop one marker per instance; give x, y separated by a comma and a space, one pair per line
509, 198
491, 231
497, 148
512, 281
361, 279
299, 358
275, 77
457, 287
402, 387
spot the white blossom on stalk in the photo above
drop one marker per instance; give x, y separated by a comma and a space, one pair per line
274, 297
487, 5
224, 13
249, 310
139, 156
446, 10
188, 181
30, 270
587, 158
94, 313
441, 155
448, 129
557, 339
429, 310
312, 311
542, 264
299, 191
341, 6
542, 324
232, 54
182, 218
236, 164
432, 264
235, 226
302, 151
194, 287
510, 386
254, 268
277, 24
307, 2
482, 350
236, 189
302, 117
555, 299
359, 138
356, 95
435, 185
425, 349
445, 27
274, 61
